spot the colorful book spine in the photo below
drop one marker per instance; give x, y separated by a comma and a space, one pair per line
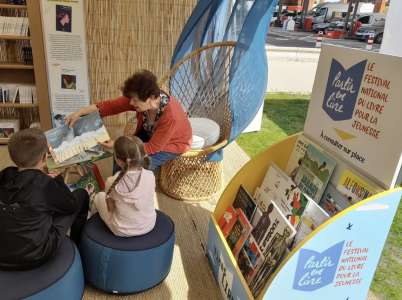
245, 231
227, 220
250, 258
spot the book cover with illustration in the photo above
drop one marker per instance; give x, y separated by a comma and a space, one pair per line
313, 216
227, 220
345, 188
271, 223
297, 155
245, 202
257, 216
314, 173
250, 258
66, 142
355, 110
239, 232
92, 182
279, 188
273, 233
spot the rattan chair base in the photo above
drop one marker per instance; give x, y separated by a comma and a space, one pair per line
191, 178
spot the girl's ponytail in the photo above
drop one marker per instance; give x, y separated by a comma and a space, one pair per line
109, 200
129, 150
147, 162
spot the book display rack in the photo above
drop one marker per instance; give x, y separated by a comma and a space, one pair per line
23, 77
351, 176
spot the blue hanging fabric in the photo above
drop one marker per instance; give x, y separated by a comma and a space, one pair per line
248, 74
191, 35
245, 22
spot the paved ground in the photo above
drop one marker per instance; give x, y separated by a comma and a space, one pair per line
278, 37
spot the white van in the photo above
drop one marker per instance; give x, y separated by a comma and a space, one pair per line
324, 12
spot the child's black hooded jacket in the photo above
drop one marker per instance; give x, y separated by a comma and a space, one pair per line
29, 200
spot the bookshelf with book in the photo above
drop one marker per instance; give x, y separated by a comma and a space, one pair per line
332, 254
23, 78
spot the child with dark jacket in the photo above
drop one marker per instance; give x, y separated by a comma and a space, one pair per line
36, 209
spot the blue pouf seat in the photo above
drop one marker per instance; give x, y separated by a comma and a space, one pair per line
59, 278
125, 265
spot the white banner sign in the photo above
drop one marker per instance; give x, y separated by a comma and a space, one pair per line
65, 48
356, 110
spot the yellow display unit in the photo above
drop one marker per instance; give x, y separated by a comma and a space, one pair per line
336, 261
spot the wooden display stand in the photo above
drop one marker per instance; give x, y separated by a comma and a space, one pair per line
282, 283
28, 74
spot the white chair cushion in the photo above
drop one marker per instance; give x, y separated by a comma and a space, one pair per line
198, 142
206, 129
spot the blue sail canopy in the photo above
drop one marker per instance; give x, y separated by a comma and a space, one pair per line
244, 22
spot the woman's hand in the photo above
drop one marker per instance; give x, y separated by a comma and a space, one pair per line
53, 173
72, 118
108, 144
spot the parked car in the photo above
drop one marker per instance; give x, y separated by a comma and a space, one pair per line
374, 27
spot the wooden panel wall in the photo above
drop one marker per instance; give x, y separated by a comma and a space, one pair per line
126, 35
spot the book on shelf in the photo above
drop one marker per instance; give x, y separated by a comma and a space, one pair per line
18, 52
239, 232
17, 2
296, 157
312, 217
227, 220
68, 142
278, 187
314, 172
273, 234
250, 258
14, 25
8, 127
346, 188
298, 152
256, 217
245, 202
272, 223
17, 93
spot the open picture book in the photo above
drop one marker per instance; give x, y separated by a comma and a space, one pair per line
79, 143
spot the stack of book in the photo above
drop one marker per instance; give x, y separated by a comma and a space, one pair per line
257, 235
17, 52
18, 93
17, 2
14, 25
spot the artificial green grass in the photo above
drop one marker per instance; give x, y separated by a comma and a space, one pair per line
388, 278
284, 114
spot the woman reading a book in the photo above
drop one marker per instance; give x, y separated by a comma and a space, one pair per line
162, 124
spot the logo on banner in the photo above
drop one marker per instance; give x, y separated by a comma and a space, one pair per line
342, 90
315, 270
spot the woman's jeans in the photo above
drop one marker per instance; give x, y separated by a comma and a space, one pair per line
157, 159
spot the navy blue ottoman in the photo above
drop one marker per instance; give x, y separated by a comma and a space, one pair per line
122, 265
60, 278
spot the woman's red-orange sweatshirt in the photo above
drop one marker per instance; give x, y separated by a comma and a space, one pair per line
172, 131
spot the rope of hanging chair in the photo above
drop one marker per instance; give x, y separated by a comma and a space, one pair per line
195, 53
213, 91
